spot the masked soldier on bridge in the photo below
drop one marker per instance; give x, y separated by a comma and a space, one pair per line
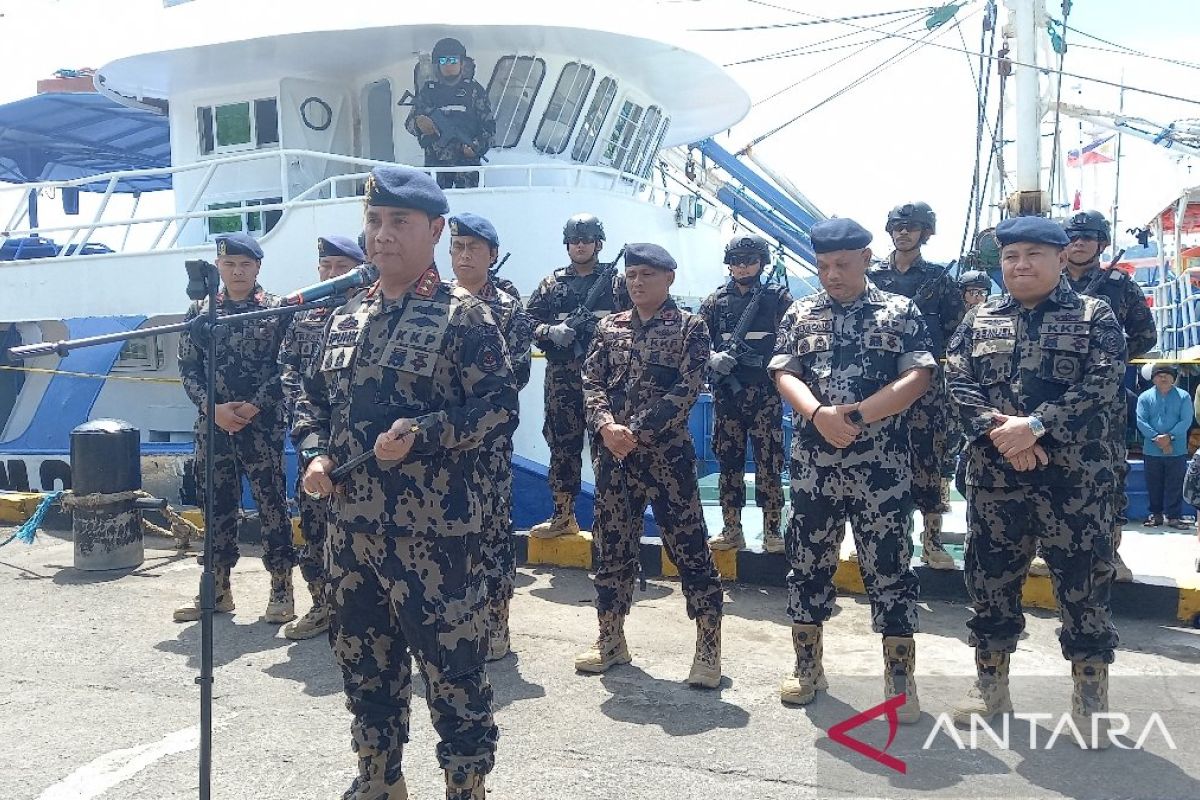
566, 307
940, 300
743, 316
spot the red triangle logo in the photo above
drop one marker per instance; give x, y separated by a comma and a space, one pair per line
838, 733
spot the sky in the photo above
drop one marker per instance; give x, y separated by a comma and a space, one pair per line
906, 134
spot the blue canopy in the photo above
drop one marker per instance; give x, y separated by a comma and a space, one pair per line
69, 135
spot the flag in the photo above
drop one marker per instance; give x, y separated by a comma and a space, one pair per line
1078, 204
1098, 152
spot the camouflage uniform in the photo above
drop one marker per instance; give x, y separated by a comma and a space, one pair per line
553, 301
405, 561
1062, 362
845, 354
465, 103
756, 409
647, 375
942, 307
247, 370
296, 355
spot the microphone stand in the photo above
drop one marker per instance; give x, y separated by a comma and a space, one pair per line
203, 283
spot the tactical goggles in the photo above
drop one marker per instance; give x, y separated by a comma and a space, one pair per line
973, 290
743, 259
444, 60
581, 240
905, 225
1090, 236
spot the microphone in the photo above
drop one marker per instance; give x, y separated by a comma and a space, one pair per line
363, 275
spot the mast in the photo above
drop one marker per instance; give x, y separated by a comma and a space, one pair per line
1029, 197
1116, 206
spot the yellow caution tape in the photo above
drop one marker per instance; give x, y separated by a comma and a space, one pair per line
92, 375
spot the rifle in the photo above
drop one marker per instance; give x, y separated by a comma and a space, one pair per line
583, 319
925, 292
1094, 284
737, 341
503, 284
452, 130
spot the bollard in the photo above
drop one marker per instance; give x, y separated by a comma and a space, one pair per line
106, 473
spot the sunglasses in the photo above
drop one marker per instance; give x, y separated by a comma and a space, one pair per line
1090, 237
444, 60
581, 240
742, 261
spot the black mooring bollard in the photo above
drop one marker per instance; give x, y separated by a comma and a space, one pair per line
106, 460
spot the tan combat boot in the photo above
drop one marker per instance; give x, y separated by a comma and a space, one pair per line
1089, 697
281, 606
772, 538
316, 621
498, 641
190, 612
706, 666
932, 551
989, 695
562, 523
610, 648
465, 786
899, 664
1124, 574
809, 675
731, 537
379, 778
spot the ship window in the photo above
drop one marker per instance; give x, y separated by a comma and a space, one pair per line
238, 126
656, 146
640, 154
619, 148
562, 113
378, 124
252, 222
140, 354
514, 84
593, 121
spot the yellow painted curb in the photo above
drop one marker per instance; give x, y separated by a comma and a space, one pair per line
848, 577
194, 516
574, 550
18, 506
1038, 592
1189, 602
726, 561
298, 539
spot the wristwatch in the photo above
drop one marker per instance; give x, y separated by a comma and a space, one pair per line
856, 418
309, 453
1035, 425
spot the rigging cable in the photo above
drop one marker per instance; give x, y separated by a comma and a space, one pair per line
982, 82
901, 12
807, 49
1060, 47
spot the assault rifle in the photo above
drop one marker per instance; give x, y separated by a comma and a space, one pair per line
583, 319
738, 348
452, 130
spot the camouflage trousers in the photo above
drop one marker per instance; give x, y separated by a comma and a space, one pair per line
1120, 499
314, 520
1073, 526
929, 434
395, 597
663, 476
499, 552
756, 411
257, 453
452, 180
564, 425
875, 501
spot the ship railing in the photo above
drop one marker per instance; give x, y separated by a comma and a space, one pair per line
494, 178
1176, 312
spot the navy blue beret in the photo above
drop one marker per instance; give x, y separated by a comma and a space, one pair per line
474, 225
1037, 230
839, 233
339, 246
404, 187
649, 254
238, 244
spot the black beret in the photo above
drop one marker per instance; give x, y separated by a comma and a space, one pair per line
1036, 230
339, 246
238, 244
404, 187
839, 233
474, 225
650, 254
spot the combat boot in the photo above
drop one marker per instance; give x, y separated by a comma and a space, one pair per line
706, 666
562, 523
772, 538
281, 606
316, 621
899, 664
731, 537
465, 786
610, 648
1123, 573
989, 694
498, 640
190, 612
932, 551
379, 778
809, 675
1089, 697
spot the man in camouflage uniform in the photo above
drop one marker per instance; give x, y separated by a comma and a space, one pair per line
850, 360
1034, 374
452, 116
474, 245
642, 377
413, 376
976, 285
563, 331
1090, 235
250, 427
336, 255
940, 300
745, 400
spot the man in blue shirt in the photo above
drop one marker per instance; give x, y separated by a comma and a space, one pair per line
1164, 414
